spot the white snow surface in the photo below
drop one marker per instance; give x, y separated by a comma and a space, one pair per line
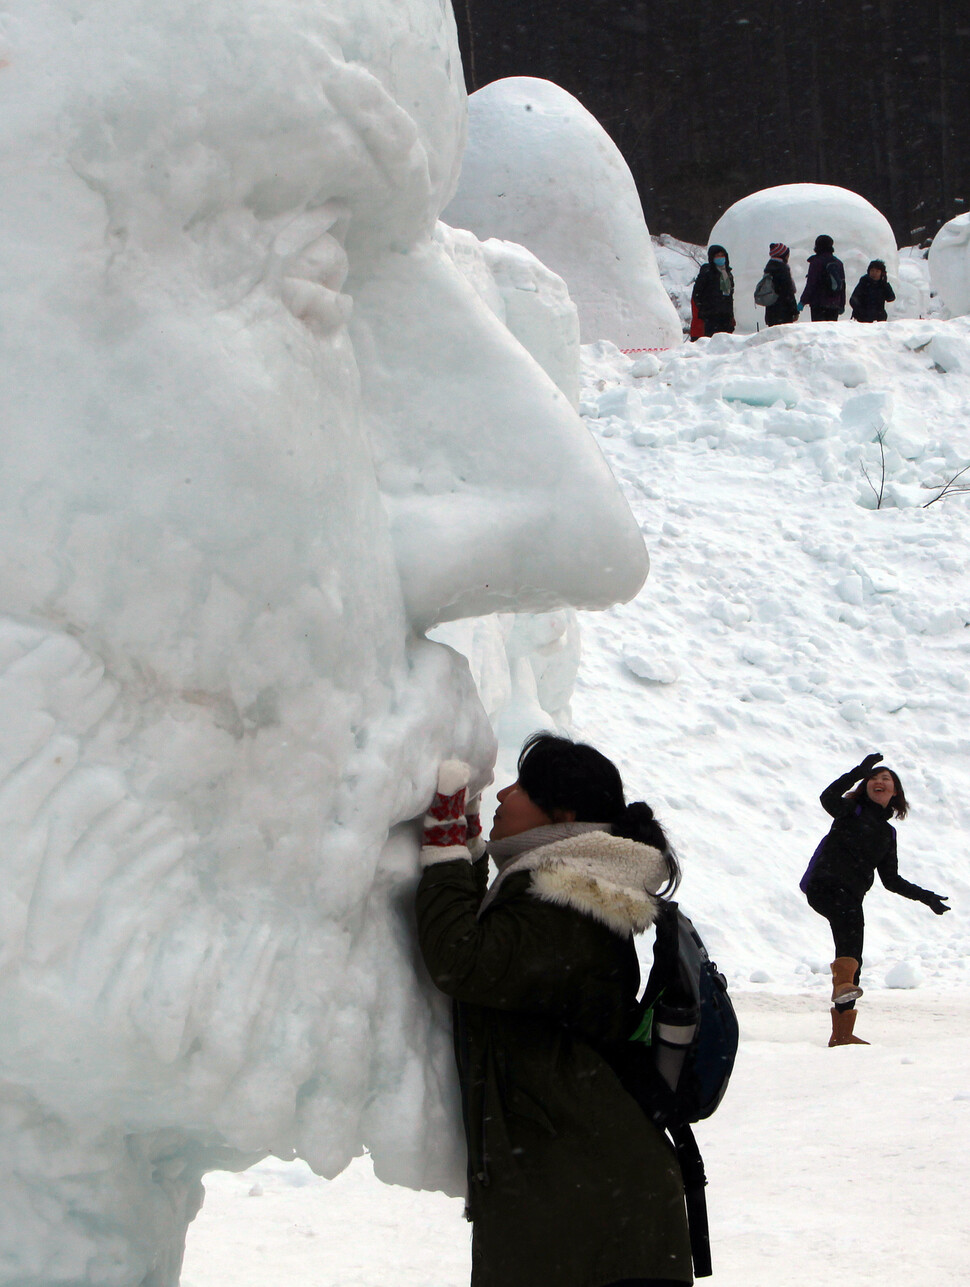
796, 213
949, 262
540, 170
788, 627
260, 430
798, 1121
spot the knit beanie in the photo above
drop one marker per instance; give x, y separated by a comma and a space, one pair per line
778, 250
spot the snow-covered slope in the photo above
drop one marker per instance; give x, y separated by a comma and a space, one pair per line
789, 626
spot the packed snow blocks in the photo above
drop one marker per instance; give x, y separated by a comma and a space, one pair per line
261, 430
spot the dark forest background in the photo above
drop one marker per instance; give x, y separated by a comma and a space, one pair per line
710, 100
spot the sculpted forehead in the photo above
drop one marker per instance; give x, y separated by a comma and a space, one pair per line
267, 105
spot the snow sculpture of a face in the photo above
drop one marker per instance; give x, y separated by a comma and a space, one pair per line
949, 260
257, 435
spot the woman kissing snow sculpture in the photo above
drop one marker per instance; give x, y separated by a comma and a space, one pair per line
258, 435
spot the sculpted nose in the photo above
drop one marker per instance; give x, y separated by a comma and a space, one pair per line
498, 498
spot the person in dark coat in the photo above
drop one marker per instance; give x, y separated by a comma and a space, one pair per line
869, 299
785, 307
826, 305
713, 293
860, 843
569, 1182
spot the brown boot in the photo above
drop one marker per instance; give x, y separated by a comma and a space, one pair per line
843, 1021
844, 986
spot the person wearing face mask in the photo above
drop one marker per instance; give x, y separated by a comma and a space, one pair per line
713, 293
569, 1182
860, 843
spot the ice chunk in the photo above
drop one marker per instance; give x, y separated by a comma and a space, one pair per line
759, 391
866, 415
800, 425
849, 372
950, 352
731, 612
850, 590
653, 669
904, 974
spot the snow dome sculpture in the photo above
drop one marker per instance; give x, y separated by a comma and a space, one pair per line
540, 170
796, 213
259, 432
949, 261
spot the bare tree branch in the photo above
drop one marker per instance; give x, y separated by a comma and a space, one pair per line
949, 489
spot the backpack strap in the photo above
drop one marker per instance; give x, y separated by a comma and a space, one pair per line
666, 957
695, 1181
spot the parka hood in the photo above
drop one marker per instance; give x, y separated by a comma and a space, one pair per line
718, 250
611, 878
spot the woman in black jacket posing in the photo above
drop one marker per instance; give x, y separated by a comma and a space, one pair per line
860, 842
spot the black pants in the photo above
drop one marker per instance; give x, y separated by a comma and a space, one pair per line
647, 1282
713, 326
824, 314
843, 910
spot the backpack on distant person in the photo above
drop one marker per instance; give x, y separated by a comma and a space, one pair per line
679, 1057
765, 293
834, 276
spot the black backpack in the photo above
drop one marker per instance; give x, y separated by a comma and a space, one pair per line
834, 276
678, 1060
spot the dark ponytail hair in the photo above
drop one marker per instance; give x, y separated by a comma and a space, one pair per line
562, 776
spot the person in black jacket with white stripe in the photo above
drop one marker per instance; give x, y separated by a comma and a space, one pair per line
860, 843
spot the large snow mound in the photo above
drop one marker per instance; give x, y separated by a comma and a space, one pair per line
949, 260
540, 170
260, 430
796, 213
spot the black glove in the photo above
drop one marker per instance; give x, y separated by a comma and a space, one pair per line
936, 902
868, 764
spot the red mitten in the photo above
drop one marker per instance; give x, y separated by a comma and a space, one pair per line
445, 830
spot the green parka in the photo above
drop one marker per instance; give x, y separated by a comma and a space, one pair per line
569, 1184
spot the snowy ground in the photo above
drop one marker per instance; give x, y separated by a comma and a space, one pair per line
826, 1167
787, 627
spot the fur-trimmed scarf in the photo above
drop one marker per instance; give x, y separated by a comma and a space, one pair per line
611, 878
